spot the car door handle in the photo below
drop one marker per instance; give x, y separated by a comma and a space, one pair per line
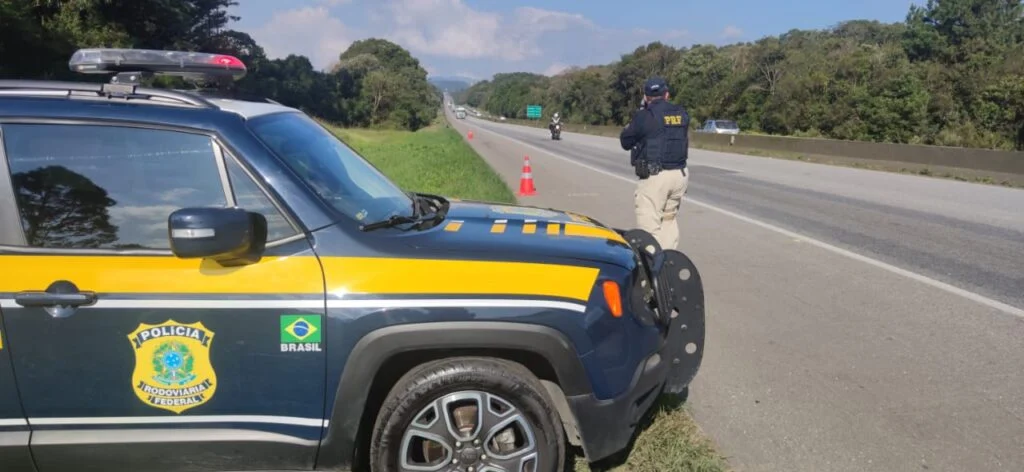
61, 299
48, 299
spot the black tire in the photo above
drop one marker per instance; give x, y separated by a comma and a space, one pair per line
498, 383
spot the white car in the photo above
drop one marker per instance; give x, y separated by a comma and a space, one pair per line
720, 127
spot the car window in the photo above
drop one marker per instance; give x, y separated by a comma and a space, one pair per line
250, 197
337, 174
107, 187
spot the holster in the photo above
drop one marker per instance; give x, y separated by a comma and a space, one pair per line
644, 168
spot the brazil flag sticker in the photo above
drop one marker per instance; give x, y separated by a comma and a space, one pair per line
301, 333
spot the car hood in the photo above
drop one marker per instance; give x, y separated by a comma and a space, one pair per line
515, 232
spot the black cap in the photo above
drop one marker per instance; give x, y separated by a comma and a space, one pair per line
655, 87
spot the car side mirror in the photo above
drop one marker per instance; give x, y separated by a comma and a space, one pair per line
229, 236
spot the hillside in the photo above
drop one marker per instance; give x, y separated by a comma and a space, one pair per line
452, 84
951, 74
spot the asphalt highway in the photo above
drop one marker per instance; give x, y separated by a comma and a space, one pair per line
858, 320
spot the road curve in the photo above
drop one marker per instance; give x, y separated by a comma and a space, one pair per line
858, 320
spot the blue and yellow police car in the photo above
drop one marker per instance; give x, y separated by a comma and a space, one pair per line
193, 281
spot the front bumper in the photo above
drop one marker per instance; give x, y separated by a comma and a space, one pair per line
677, 293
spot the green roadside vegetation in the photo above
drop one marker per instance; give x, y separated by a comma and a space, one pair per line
433, 159
437, 160
669, 440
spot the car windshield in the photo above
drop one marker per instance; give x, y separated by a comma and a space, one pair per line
725, 124
338, 175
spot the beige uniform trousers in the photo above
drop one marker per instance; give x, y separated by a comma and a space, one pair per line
657, 200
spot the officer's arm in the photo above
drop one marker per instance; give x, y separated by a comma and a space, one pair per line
633, 132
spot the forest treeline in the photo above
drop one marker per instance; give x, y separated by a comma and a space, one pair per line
951, 74
373, 83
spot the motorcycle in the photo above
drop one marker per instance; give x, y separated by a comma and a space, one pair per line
556, 131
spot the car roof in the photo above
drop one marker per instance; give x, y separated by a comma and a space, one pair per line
42, 89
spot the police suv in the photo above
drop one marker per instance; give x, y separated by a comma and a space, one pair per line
192, 281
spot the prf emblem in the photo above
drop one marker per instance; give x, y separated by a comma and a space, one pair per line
673, 120
172, 365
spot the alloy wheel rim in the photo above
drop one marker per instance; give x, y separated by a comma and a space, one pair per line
469, 431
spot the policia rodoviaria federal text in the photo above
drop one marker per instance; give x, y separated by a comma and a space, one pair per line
658, 141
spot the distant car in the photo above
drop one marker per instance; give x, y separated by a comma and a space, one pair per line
460, 113
720, 127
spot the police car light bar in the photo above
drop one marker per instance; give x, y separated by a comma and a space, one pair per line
179, 63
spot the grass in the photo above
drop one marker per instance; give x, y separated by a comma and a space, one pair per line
437, 160
432, 160
669, 440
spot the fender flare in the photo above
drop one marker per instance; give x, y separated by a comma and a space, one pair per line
375, 348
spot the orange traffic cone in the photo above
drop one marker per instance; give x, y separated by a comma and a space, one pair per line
469, 135
526, 187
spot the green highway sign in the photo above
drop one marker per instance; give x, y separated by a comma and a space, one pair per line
533, 111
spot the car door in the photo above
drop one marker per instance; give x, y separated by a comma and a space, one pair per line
128, 358
14, 432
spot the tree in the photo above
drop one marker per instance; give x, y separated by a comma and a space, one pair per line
61, 208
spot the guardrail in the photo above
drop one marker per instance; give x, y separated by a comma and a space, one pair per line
1007, 162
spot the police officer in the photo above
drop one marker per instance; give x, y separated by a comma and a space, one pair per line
659, 144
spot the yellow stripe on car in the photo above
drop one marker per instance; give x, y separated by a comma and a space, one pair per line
160, 274
587, 231
436, 276
297, 275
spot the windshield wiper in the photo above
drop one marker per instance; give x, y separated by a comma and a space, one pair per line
393, 220
438, 205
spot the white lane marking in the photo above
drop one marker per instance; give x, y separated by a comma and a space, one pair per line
13, 422
108, 420
701, 164
204, 304
975, 297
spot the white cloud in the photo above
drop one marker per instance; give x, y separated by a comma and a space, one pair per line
539, 19
443, 28
732, 32
452, 35
555, 69
310, 31
145, 225
450, 28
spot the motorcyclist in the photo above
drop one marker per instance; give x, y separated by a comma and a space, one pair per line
555, 121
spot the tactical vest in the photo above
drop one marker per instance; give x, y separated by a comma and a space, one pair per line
670, 147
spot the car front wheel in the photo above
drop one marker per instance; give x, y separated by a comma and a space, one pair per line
470, 415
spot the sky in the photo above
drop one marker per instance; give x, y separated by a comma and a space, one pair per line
478, 38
